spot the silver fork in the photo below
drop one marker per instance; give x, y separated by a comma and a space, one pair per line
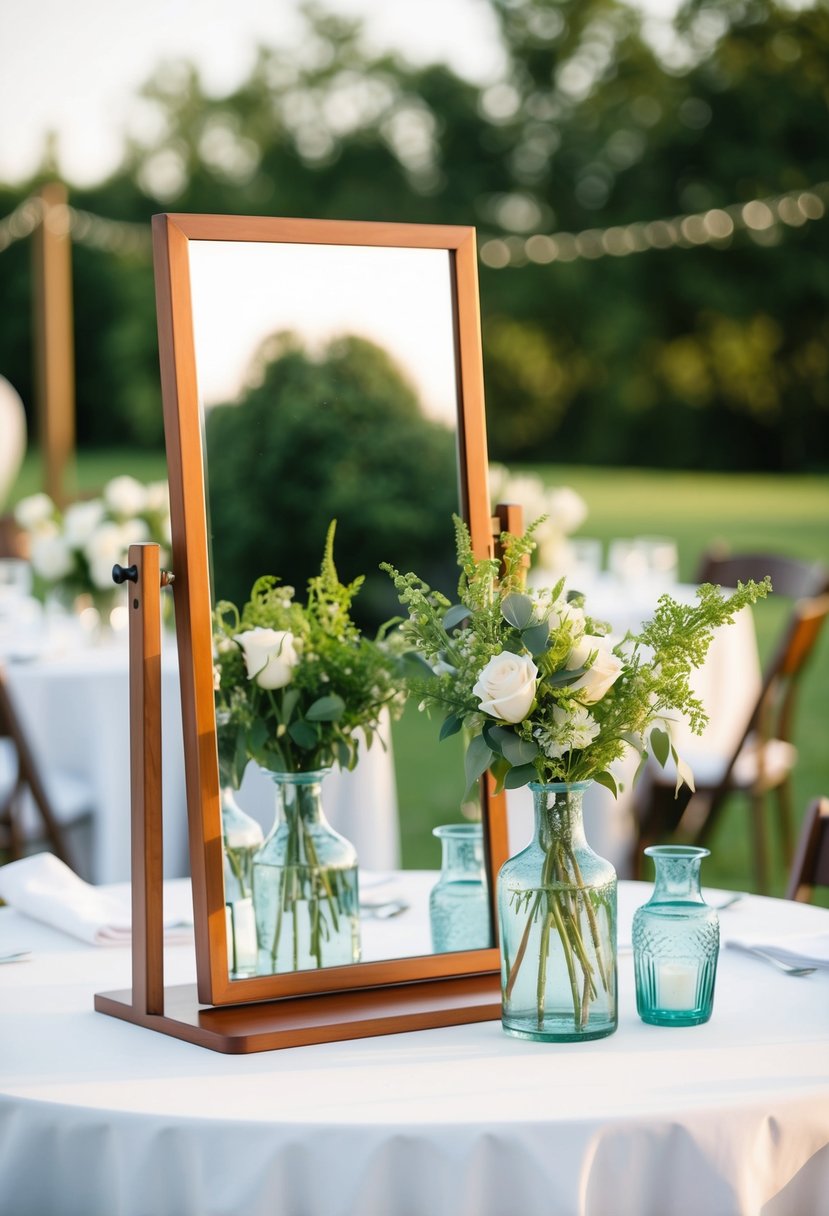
786, 968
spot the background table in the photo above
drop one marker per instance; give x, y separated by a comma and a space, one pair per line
728, 1119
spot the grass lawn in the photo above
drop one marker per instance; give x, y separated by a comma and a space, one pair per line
785, 514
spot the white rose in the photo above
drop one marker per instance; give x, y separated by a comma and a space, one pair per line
80, 520
51, 557
602, 673
567, 509
506, 686
33, 511
125, 496
270, 656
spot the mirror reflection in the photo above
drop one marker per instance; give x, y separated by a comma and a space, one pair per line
328, 390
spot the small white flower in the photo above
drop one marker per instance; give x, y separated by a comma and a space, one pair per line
573, 729
50, 556
80, 521
563, 614
34, 511
217, 677
125, 496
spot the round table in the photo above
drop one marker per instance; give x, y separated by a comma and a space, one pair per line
99, 1117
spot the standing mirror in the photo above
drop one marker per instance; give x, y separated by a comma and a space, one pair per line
319, 370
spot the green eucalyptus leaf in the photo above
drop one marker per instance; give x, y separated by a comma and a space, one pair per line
536, 637
518, 751
661, 744
343, 754
304, 734
451, 726
559, 679
258, 735
478, 758
326, 709
608, 781
517, 610
456, 614
519, 776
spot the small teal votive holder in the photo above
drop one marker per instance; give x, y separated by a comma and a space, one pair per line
676, 942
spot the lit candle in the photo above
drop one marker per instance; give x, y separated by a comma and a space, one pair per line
677, 985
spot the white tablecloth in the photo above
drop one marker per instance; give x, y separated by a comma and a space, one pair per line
99, 1117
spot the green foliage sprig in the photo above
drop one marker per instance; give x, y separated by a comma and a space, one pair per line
297, 686
535, 680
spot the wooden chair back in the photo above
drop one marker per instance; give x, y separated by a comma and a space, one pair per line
810, 867
28, 777
790, 576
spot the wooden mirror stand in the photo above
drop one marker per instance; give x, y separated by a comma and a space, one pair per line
262, 1025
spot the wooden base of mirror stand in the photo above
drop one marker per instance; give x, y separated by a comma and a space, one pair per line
260, 1026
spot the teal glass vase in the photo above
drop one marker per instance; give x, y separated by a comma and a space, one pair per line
676, 942
241, 839
305, 884
459, 913
557, 915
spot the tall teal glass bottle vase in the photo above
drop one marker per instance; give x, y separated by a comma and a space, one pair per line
305, 884
557, 912
676, 942
241, 839
459, 913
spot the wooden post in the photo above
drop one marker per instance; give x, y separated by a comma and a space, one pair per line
143, 580
53, 334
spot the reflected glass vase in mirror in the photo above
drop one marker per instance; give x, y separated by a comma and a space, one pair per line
241, 839
459, 901
305, 884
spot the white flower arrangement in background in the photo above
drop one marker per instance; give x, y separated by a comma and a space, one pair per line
74, 550
563, 510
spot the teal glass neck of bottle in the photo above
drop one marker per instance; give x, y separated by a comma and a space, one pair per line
463, 851
677, 877
558, 810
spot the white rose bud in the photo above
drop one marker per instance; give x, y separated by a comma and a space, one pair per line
33, 511
270, 656
602, 673
506, 686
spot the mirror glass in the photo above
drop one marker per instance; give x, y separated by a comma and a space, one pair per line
328, 389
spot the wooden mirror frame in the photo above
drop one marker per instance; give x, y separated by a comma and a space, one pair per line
172, 235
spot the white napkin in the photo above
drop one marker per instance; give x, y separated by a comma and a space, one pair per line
800, 949
43, 887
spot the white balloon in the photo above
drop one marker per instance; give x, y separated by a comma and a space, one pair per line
12, 437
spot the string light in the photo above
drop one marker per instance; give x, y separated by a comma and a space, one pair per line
94, 231
761, 218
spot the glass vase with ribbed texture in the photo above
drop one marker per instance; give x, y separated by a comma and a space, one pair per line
459, 914
241, 839
557, 916
676, 942
305, 884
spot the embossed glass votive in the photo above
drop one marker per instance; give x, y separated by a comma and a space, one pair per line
676, 942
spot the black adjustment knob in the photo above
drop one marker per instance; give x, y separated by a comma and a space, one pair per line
124, 574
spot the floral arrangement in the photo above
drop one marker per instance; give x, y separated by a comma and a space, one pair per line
545, 696
298, 688
74, 550
544, 693
559, 511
